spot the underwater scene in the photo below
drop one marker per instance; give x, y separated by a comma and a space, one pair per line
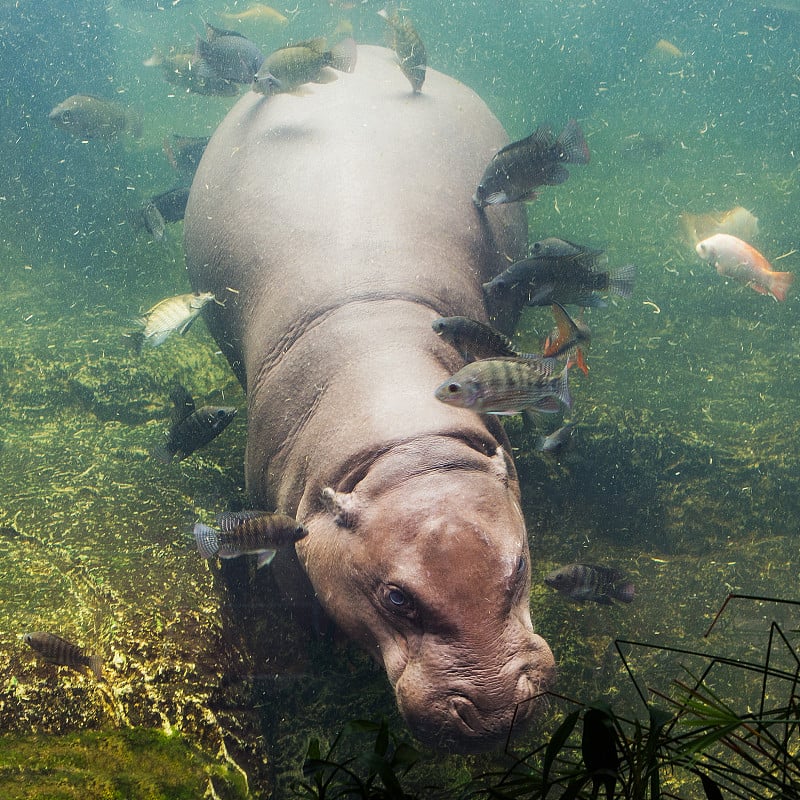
146, 653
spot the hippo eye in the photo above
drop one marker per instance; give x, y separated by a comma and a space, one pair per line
397, 601
521, 565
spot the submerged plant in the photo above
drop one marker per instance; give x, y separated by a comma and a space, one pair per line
692, 738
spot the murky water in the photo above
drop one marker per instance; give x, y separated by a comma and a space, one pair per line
684, 471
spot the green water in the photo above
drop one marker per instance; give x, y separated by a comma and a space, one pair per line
684, 472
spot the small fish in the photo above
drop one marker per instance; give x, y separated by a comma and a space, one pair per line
290, 67
473, 339
191, 428
166, 207
229, 55
506, 386
248, 533
257, 11
555, 443
518, 168
408, 45
570, 338
737, 222
185, 69
56, 650
666, 49
184, 152
88, 117
738, 260
172, 314
584, 582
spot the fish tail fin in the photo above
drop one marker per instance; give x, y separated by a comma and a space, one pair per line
581, 361
162, 453
780, 284
566, 334
562, 388
207, 539
625, 593
621, 282
95, 664
573, 144
344, 55
265, 557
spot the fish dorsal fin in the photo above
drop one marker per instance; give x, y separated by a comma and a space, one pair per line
229, 520
182, 402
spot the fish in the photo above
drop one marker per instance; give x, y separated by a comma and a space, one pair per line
559, 272
736, 259
257, 11
185, 69
570, 338
184, 152
473, 339
248, 533
408, 46
288, 68
168, 206
506, 386
88, 117
737, 222
191, 428
172, 314
518, 168
585, 582
556, 442
546, 260
229, 55
666, 49
62, 653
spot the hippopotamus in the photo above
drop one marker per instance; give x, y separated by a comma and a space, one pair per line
333, 226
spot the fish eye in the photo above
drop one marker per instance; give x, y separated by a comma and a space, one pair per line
453, 388
66, 117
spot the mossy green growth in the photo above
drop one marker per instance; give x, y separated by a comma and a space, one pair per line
112, 765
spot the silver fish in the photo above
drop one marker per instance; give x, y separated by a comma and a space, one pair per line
172, 314
506, 386
584, 582
56, 650
248, 533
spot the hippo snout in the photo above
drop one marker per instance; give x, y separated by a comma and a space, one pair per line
477, 715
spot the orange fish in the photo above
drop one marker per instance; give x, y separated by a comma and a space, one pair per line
570, 337
738, 260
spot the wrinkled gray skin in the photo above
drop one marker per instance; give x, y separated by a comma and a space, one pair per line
335, 226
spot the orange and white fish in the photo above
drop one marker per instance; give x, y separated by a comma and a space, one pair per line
571, 337
738, 260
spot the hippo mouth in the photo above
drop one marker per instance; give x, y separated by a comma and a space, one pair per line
457, 723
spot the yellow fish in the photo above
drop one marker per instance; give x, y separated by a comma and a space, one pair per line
258, 11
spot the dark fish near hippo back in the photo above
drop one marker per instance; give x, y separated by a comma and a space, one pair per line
585, 582
408, 46
191, 428
58, 651
229, 55
538, 160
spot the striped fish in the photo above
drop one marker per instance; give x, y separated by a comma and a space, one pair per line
172, 314
506, 386
585, 582
248, 533
56, 650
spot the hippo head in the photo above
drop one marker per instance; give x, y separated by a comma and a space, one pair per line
425, 561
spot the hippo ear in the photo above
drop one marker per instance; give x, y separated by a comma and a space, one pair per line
342, 505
